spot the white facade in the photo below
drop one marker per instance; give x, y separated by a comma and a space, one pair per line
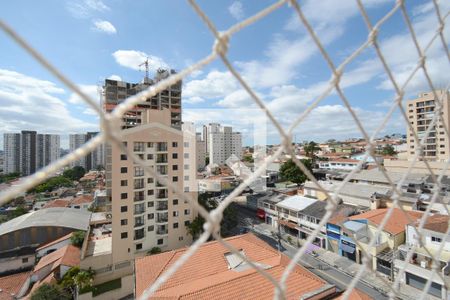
222, 143
11, 148
340, 164
76, 141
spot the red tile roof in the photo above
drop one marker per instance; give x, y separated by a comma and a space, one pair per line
396, 222
356, 295
438, 223
57, 203
206, 274
12, 284
67, 236
86, 198
68, 256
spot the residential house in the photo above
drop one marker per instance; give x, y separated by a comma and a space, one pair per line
58, 263
14, 286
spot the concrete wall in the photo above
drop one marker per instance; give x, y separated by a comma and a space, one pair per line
16, 263
52, 248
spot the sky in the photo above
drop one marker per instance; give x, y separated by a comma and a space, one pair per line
90, 40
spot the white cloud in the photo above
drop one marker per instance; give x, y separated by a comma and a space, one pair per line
89, 90
236, 10
104, 26
33, 104
85, 8
215, 84
115, 77
132, 59
193, 100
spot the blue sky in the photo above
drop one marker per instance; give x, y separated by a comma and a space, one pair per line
90, 40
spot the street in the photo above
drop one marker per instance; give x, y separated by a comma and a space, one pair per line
247, 219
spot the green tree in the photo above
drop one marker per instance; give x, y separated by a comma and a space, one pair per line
77, 278
75, 173
9, 177
52, 184
310, 148
195, 228
77, 238
154, 250
388, 150
291, 172
50, 292
18, 212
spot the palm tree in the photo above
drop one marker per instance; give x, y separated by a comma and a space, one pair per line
310, 148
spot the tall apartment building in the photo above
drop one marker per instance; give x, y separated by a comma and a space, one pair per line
200, 152
93, 159
28, 151
222, 143
420, 113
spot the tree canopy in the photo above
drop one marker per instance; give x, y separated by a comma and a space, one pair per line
388, 150
75, 173
50, 292
291, 172
77, 238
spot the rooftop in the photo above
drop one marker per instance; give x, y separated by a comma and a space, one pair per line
296, 202
68, 255
12, 284
67, 236
212, 273
438, 223
58, 217
57, 203
375, 175
396, 222
82, 199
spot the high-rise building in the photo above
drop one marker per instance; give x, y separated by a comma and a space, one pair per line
200, 152
91, 161
26, 152
222, 143
420, 113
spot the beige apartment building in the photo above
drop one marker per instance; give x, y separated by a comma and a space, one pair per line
420, 113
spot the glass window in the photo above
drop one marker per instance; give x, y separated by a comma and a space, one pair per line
175, 213
160, 241
124, 235
174, 155
174, 167
124, 222
150, 192
123, 170
175, 225
187, 211
123, 157
175, 201
138, 171
175, 178
151, 228
150, 204
123, 196
139, 147
149, 156
123, 182
174, 144
124, 208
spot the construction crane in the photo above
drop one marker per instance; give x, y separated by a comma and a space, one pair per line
145, 63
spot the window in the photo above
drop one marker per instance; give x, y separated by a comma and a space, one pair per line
174, 144
150, 228
174, 155
125, 144
180, 238
186, 167
160, 241
149, 180
175, 201
186, 189
24, 260
139, 147
123, 196
186, 144
175, 213
175, 178
436, 239
138, 171
124, 222
123, 182
124, 235
150, 216
138, 246
123, 170
186, 177
123, 157
187, 211
139, 183
149, 156
150, 192
174, 167
150, 204
150, 145
186, 155
175, 225
124, 208
187, 223
161, 146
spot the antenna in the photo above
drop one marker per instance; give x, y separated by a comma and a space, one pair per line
145, 63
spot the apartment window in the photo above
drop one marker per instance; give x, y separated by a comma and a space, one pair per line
175, 178
174, 167
149, 156
442, 152
125, 144
138, 246
160, 241
175, 213
149, 180
187, 211
123, 157
139, 147
441, 146
186, 177
150, 204
436, 239
151, 228
442, 140
124, 208
124, 235
138, 171
124, 222
441, 132
123, 196
150, 193
24, 260
175, 201
175, 225
186, 144
174, 155
161, 146
180, 238
186, 189
150, 216
187, 223
174, 144
123, 182
186, 155
150, 145
186, 167
123, 170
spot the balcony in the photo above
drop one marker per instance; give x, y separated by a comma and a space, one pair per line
139, 209
139, 234
161, 147
162, 218
162, 205
162, 231
161, 158
162, 194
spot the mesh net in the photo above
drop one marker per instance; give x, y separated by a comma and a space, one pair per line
112, 134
